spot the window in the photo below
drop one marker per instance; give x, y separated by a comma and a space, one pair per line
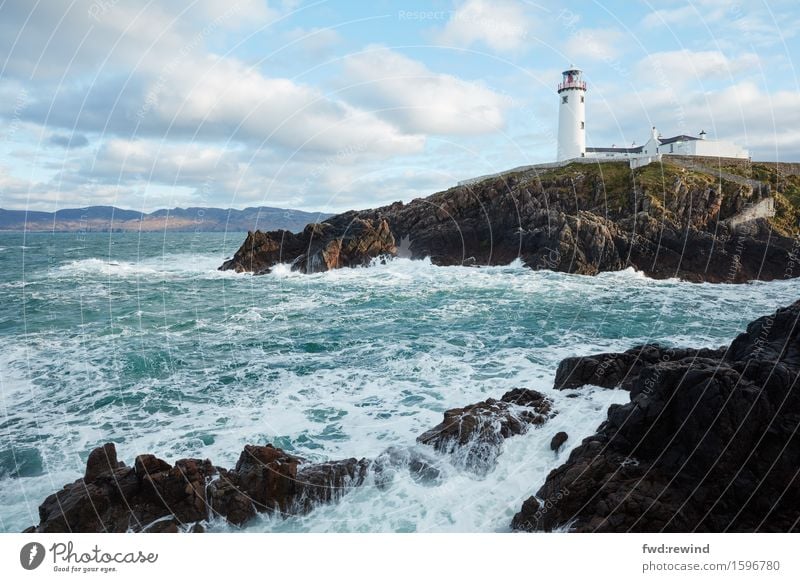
581, 98
582, 125
564, 99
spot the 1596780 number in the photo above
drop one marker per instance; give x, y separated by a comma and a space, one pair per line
757, 565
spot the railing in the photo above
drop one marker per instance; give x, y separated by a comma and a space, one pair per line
572, 85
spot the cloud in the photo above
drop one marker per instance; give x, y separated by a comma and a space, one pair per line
676, 69
68, 141
408, 94
146, 72
730, 23
501, 25
165, 111
225, 98
594, 44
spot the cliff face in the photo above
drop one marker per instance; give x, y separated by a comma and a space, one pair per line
664, 220
708, 442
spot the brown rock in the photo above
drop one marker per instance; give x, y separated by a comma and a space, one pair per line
101, 460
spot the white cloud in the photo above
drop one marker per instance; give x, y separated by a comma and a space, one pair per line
407, 93
161, 81
730, 23
225, 98
676, 69
501, 25
594, 44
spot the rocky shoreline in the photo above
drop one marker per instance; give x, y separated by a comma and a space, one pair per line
709, 442
664, 220
154, 496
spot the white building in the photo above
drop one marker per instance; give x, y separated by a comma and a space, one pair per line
572, 132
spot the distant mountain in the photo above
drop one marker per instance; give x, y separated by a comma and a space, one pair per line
112, 219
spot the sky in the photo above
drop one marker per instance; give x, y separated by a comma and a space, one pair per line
330, 105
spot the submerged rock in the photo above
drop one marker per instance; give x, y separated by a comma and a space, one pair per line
421, 467
708, 443
558, 440
473, 435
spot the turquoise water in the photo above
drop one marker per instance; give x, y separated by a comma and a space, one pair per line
139, 340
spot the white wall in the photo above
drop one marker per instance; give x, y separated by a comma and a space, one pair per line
571, 115
718, 149
705, 147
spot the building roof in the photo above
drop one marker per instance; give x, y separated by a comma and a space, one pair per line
677, 138
636, 150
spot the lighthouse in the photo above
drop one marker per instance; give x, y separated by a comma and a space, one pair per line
571, 115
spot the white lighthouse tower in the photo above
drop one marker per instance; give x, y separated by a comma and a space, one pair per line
571, 115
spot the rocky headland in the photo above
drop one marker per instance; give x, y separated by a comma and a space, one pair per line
671, 219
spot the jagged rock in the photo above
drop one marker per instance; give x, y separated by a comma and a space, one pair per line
154, 496
473, 434
354, 246
268, 477
127, 498
101, 460
706, 444
558, 439
262, 250
613, 370
326, 482
320, 247
227, 500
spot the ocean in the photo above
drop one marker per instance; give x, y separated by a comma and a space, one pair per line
139, 340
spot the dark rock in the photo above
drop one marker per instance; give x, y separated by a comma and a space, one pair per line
149, 464
528, 516
320, 247
706, 444
473, 435
154, 496
325, 482
101, 460
621, 370
267, 476
558, 439
228, 501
